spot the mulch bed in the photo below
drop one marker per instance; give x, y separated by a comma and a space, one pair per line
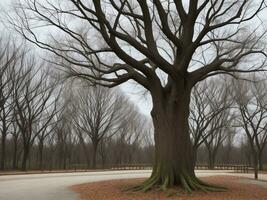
115, 190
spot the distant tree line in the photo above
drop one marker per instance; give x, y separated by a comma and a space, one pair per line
47, 124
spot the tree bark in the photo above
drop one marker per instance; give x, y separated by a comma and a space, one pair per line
173, 149
172, 139
173, 161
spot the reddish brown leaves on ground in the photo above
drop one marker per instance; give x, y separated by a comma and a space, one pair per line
115, 190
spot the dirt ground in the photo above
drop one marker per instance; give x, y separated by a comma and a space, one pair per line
115, 190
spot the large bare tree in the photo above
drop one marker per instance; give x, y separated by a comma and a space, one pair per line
165, 46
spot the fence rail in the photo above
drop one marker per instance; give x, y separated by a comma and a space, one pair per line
131, 167
235, 168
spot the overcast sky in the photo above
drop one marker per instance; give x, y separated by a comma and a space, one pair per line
136, 95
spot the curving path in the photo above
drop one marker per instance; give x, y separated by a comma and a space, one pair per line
55, 186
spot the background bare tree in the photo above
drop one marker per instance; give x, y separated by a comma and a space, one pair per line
8, 60
251, 102
130, 137
98, 114
229, 145
35, 104
219, 129
210, 102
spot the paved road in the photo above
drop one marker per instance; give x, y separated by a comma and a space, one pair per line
55, 186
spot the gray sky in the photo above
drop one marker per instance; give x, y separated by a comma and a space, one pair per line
136, 95
132, 90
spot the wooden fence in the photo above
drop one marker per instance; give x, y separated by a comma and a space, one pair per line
235, 168
131, 167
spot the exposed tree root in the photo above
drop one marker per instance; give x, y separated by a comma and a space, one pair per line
188, 183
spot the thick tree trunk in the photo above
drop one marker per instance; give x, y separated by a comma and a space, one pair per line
173, 164
174, 156
172, 144
172, 141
